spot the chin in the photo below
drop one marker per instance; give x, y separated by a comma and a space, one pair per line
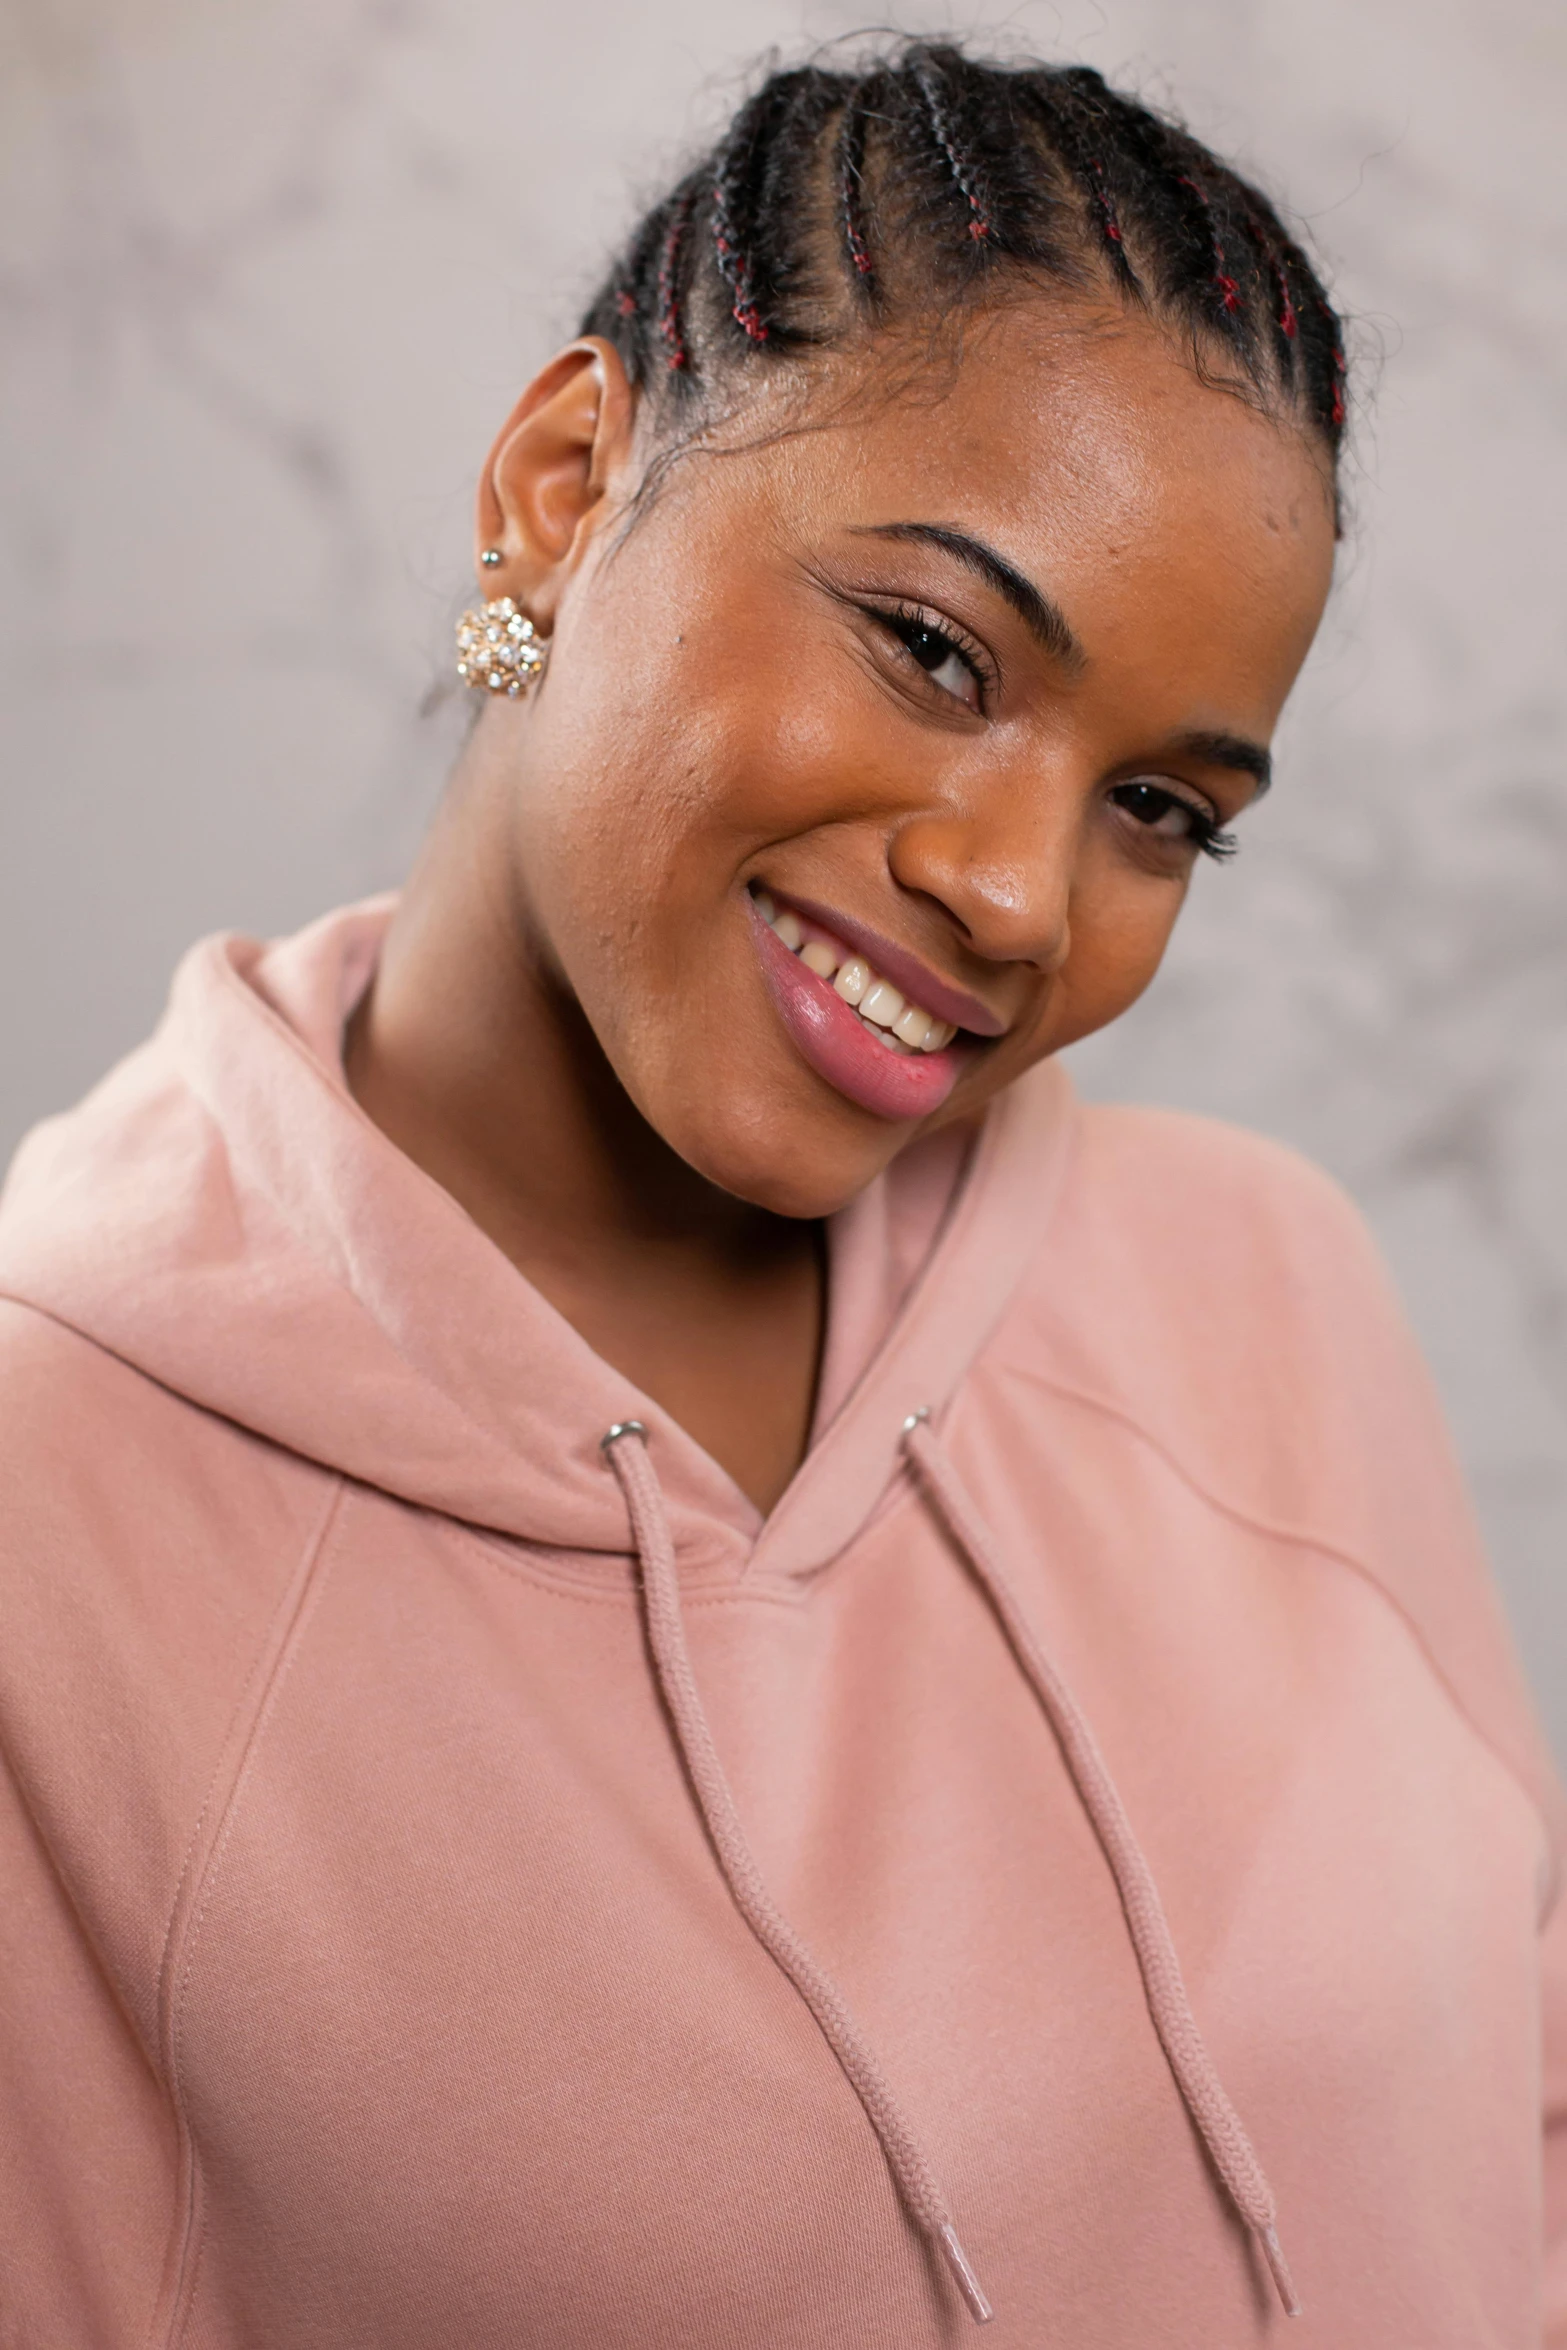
806, 1181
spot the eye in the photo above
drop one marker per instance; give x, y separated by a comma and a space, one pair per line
946, 662
1170, 816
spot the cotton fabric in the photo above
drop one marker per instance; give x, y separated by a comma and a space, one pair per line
367, 1978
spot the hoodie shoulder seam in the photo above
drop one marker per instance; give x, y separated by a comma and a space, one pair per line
1323, 1546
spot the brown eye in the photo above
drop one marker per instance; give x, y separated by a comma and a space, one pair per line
1170, 816
943, 660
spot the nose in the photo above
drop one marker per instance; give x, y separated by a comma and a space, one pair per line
1002, 877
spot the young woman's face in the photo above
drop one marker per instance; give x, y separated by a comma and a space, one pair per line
952, 685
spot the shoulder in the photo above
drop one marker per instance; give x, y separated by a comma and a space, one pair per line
146, 1549
135, 1523
1226, 1299
100, 1462
1213, 1300
1142, 1169
1201, 1259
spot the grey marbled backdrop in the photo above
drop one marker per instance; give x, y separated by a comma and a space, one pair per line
269, 277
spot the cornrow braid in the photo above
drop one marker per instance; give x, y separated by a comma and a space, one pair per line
735, 267
1069, 106
670, 325
750, 208
736, 169
840, 203
1226, 289
1286, 321
851, 189
1336, 361
1318, 334
966, 174
1109, 219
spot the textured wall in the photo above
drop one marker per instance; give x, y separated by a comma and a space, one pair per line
270, 275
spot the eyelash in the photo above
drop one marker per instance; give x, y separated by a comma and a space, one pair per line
902, 620
1206, 833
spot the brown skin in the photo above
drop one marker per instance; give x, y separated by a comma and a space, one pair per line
570, 1028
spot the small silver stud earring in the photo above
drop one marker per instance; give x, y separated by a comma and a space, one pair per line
498, 649
492, 558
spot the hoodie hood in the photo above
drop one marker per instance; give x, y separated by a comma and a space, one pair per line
223, 1181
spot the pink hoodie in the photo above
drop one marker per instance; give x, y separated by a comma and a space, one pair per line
466, 1888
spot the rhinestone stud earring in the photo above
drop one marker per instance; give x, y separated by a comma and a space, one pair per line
492, 558
498, 649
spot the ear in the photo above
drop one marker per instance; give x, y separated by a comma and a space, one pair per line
564, 446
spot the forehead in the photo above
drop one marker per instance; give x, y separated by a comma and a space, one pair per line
1165, 514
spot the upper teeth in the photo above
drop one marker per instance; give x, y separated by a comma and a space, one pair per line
889, 1015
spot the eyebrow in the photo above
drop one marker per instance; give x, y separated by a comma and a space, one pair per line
1044, 619
1234, 751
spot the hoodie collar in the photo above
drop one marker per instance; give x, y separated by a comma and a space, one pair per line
222, 1214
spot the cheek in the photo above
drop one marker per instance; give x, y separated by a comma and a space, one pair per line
1121, 921
639, 801
666, 783
614, 806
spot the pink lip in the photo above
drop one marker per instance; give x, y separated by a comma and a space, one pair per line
907, 973
838, 1045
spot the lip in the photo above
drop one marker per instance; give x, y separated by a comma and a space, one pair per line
837, 1044
908, 974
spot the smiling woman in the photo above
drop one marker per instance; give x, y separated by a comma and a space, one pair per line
687, 1664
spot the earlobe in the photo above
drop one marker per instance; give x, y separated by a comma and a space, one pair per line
557, 457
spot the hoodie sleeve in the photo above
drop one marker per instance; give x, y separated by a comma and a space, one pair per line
88, 2147
147, 1550
1554, 2005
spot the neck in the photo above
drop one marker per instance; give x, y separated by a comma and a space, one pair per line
474, 1057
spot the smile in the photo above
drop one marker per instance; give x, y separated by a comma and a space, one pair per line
892, 1019
870, 1041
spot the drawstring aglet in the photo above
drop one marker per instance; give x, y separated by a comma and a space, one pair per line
1273, 2254
967, 2282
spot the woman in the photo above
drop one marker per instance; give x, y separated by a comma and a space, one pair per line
686, 1664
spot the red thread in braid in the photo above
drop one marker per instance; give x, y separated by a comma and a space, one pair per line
737, 274
1286, 317
1225, 286
1106, 202
857, 247
849, 195
626, 302
669, 325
